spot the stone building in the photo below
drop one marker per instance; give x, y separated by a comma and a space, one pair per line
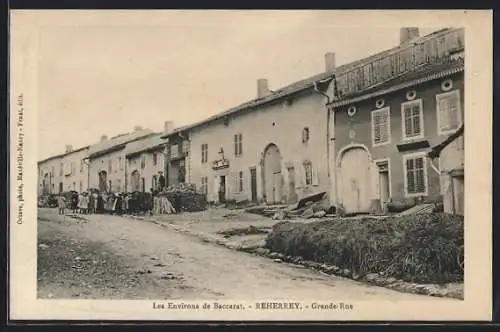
50, 175
271, 149
145, 159
75, 169
107, 158
389, 110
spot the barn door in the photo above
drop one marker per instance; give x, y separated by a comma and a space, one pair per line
355, 181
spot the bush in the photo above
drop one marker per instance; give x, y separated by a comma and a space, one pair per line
418, 248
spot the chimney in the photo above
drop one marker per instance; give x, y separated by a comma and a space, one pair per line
262, 88
407, 35
137, 128
168, 126
329, 61
104, 137
69, 148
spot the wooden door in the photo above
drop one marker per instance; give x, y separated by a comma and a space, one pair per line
355, 179
222, 189
253, 184
292, 193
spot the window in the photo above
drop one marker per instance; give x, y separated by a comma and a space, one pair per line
238, 145
204, 153
61, 169
305, 135
110, 166
415, 168
74, 186
118, 185
143, 161
412, 119
240, 181
449, 114
81, 166
204, 185
174, 151
143, 185
120, 163
110, 188
73, 168
381, 127
155, 159
81, 186
308, 172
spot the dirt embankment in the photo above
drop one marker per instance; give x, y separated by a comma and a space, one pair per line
424, 248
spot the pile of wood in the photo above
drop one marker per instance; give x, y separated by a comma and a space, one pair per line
184, 198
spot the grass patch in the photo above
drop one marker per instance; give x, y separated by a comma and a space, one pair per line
423, 248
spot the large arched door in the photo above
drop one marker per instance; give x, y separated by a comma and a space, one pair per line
135, 181
272, 174
355, 180
103, 181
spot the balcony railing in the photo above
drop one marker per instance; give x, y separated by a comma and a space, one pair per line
380, 69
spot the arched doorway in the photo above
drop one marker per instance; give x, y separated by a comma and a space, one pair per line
103, 181
135, 181
355, 180
271, 174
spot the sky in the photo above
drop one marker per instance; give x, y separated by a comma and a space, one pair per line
104, 74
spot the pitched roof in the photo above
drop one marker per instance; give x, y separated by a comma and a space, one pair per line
145, 144
419, 75
117, 142
307, 83
61, 155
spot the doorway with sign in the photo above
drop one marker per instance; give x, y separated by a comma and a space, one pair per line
222, 189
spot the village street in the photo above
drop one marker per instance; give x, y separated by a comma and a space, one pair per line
111, 257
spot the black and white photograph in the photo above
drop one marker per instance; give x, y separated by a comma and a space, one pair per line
251, 164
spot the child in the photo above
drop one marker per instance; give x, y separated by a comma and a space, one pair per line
61, 203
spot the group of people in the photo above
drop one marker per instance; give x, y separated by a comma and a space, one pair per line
118, 203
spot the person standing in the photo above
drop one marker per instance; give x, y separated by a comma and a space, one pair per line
161, 181
61, 203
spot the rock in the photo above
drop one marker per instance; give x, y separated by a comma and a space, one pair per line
356, 276
159, 264
277, 260
274, 255
43, 246
50, 295
391, 280
371, 277
77, 258
346, 272
308, 213
319, 214
280, 215
323, 267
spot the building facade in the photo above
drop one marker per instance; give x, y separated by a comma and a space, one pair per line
75, 169
271, 149
383, 132
107, 161
50, 175
145, 160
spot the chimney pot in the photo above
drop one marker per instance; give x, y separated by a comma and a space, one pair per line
104, 137
262, 88
69, 148
408, 34
137, 128
168, 126
330, 61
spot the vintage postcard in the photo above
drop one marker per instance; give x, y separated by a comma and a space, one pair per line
250, 165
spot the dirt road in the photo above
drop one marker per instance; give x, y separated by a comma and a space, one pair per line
110, 257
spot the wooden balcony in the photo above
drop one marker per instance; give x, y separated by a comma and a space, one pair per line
435, 48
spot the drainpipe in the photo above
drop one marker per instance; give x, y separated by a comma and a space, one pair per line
330, 143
